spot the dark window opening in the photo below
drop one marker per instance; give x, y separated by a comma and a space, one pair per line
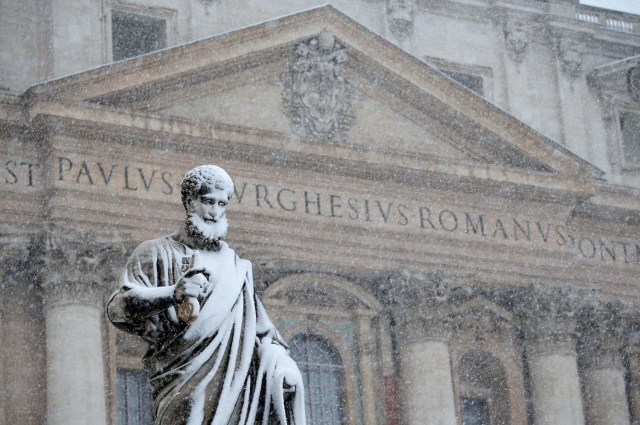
134, 35
470, 81
322, 370
630, 131
475, 411
134, 398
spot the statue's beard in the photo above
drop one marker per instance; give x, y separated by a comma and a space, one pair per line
208, 234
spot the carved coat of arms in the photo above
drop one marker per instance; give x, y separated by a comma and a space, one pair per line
316, 93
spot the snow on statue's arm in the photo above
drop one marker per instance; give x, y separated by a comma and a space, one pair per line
149, 285
140, 295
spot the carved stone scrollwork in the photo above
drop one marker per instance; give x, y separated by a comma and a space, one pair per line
420, 307
517, 35
22, 266
480, 319
548, 317
400, 16
570, 55
80, 268
317, 95
602, 326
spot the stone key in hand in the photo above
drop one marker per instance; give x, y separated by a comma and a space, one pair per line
189, 309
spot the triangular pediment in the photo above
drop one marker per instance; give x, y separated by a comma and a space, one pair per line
384, 103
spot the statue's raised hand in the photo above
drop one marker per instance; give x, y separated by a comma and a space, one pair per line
193, 284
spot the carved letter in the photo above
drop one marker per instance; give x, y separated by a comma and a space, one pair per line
279, 199
592, 249
500, 227
106, 178
424, 219
453, 223
353, 203
385, 216
61, 168
239, 195
14, 178
84, 171
30, 171
610, 251
543, 234
264, 197
469, 224
307, 202
165, 176
334, 206
126, 179
526, 232
404, 220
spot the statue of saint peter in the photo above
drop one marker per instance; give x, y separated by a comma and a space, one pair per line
214, 356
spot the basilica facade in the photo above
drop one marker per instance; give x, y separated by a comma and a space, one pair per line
440, 199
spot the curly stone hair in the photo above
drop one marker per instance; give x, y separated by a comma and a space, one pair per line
202, 180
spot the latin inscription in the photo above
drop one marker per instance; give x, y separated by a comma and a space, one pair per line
429, 218
363, 210
105, 174
19, 172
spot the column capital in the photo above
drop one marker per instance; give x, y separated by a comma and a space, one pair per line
478, 318
419, 305
81, 267
21, 261
548, 318
602, 327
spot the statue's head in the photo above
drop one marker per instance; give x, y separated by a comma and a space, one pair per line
206, 190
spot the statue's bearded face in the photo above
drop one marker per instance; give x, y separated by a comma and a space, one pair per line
206, 217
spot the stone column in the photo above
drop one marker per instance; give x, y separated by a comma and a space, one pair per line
75, 369
601, 357
550, 331
427, 383
74, 310
423, 327
555, 385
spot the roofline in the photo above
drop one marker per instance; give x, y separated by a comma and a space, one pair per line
327, 9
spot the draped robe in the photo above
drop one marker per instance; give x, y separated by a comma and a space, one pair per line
229, 365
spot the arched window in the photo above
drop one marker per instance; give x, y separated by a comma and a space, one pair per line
322, 370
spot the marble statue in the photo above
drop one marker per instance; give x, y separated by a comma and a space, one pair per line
214, 355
